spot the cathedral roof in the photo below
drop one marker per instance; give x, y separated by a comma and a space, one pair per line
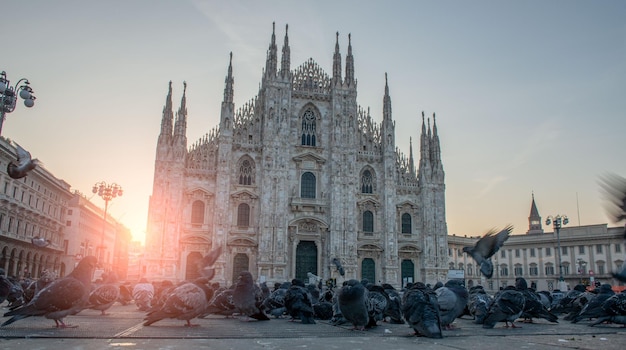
310, 77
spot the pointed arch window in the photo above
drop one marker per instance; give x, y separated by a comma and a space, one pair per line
406, 223
197, 212
246, 172
307, 185
368, 222
367, 182
243, 215
308, 128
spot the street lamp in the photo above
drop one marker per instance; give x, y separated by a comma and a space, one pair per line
582, 264
8, 95
557, 221
106, 192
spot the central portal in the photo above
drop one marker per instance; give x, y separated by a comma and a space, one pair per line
306, 260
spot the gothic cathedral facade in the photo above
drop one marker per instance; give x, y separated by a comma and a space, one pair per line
299, 175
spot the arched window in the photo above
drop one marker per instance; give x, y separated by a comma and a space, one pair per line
307, 185
367, 182
243, 215
197, 212
406, 223
246, 172
368, 222
308, 128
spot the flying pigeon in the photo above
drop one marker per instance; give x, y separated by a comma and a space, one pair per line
486, 247
40, 242
105, 295
299, 302
353, 303
507, 306
337, 263
25, 163
187, 301
64, 296
614, 187
452, 299
421, 310
247, 297
205, 265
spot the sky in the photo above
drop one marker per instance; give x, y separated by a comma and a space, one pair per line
529, 95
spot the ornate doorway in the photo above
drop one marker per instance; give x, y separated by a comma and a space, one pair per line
408, 271
192, 272
306, 260
368, 270
240, 263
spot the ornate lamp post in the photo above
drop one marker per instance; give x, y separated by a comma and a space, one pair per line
582, 264
106, 192
8, 95
557, 222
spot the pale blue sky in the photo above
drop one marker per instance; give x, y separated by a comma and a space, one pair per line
529, 95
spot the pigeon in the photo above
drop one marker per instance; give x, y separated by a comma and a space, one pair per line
35, 286
613, 310
299, 302
507, 306
593, 308
40, 242
205, 265
352, 300
421, 310
274, 304
337, 263
377, 302
478, 303
452, 299
394, 305
248, 297
621, 274
25, 163
486, 247
105, 295
323, 310
565, 303
533, 308
62, 297
221, 304
5, 286
143, 293
615, 194
185, 302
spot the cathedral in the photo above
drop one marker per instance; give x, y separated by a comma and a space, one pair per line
295, 179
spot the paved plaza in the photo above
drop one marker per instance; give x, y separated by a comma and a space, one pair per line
123, 329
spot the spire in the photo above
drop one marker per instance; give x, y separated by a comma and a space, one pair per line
534, 219
180, 128
386, 102
286, 58
411, 162
272, 60
350, 63
229, 81
337, 63
167, 119
434, 144
424, 167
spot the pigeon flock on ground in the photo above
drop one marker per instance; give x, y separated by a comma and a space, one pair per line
360, 304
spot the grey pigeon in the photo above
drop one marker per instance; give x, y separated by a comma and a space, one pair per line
486, 247
378, 302
299, 302
352, 302
221, 303
615, 194
187, 301
394, 306
105, 295
421, 310
64, 296
143, 293
478, 303
5, 286
205, 265
337, 263
25, 163
593, 308
248, 297
452, 299
40, 242
613, 310
533, 307
507, 306
274, 304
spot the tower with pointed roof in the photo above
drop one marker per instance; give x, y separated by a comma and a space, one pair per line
534, 219
297, 176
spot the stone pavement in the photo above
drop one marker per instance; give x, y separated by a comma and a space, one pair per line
123, 329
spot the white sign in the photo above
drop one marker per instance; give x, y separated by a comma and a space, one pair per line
456, 274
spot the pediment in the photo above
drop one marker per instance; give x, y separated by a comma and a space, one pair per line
198, 193
194, 239
371, 247
368, 202
244, 194
409, 248
242, 242
410, 204
308, 157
